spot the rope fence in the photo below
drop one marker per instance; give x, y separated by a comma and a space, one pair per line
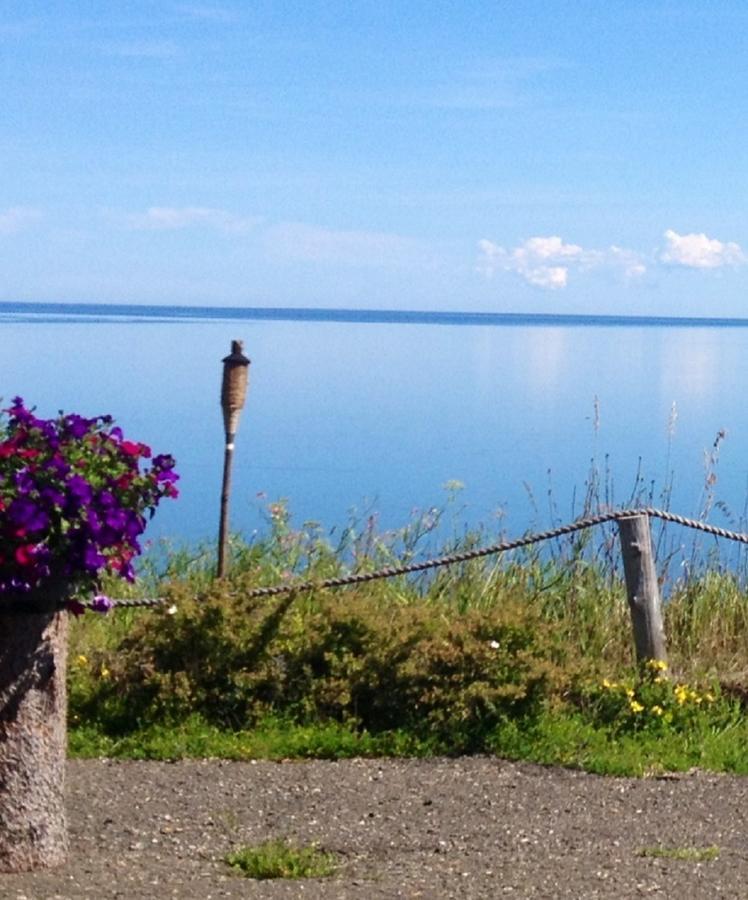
466, 555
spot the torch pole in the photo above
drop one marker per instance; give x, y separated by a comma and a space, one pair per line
233, 395
223, 537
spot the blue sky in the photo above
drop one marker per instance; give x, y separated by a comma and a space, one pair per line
551, 156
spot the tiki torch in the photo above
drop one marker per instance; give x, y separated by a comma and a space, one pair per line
233, 394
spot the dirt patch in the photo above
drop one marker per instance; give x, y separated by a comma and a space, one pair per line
444, 828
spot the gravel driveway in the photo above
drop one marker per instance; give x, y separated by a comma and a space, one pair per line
440, 828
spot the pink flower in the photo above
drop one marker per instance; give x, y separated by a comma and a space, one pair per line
25, 555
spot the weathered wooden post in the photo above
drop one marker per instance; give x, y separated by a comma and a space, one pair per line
233, 395
33, 731
642, 588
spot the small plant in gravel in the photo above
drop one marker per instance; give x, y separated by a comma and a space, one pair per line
282, 859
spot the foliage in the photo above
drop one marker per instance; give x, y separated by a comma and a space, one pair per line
649, 700
73, 500
331, 658
281, 859
411, 666
270, 739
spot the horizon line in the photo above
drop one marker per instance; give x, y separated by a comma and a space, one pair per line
353, 315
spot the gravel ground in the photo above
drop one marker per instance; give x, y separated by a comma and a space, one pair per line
443, 828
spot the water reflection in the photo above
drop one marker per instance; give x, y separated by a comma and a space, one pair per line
342, 414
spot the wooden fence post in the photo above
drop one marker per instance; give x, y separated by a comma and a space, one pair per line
642, 588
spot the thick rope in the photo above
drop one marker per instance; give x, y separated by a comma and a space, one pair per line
502, 547
464, 556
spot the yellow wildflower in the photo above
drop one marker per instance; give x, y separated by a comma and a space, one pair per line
629, 693
656, 665
635, 706
657, 710
105, 673
82, 660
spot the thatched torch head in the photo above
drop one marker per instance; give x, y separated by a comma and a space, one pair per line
234, 386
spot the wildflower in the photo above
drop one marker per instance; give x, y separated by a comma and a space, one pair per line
656, 665
101, 604
636, 707
494, 645
105, 673
657, 710
171, 611
81, 659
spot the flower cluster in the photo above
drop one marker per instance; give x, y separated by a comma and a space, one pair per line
652, 700
74, 500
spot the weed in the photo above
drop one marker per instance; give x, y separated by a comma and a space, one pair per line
281, 859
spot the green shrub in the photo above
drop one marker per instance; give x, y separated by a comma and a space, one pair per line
353, 658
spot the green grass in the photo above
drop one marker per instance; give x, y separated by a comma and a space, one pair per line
281, 859
272, 739
684, 854
506, 655
561, 738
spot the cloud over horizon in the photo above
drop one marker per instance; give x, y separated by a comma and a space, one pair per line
697, 251
547, 262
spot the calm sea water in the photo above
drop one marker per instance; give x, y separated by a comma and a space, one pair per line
378, 411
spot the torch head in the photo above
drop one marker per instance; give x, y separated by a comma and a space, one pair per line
234, 387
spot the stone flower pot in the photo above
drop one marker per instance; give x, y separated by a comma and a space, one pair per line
33, 730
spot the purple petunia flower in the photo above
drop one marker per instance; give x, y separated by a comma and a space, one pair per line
102, 604
26, 514
73, 500
79, 488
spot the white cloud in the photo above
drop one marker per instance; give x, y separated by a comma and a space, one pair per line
697, 251
308, 243
170, 218
546, 262
630, 261
16, 218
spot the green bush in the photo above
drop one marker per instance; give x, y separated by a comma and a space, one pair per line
354, 658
